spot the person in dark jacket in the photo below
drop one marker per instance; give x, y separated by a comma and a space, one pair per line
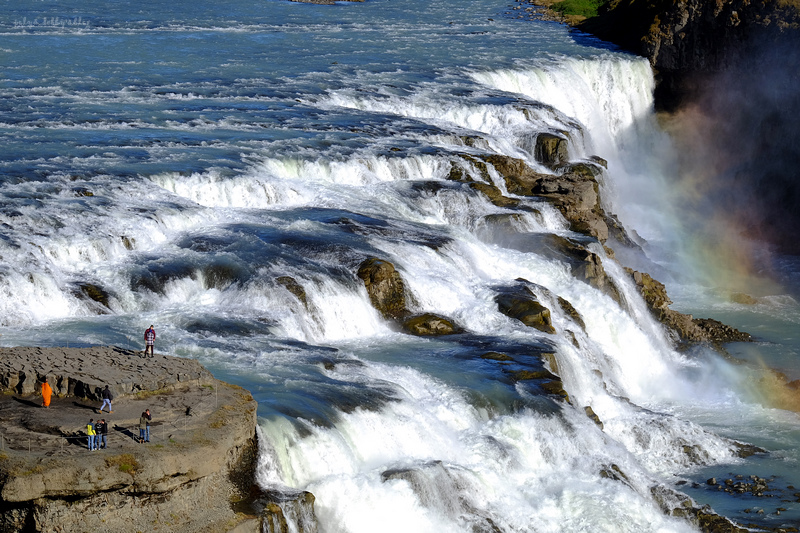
107, 397
101, 428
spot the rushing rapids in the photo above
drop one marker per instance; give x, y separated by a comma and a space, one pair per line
228, 172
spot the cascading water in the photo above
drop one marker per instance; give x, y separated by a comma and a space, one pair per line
226, 169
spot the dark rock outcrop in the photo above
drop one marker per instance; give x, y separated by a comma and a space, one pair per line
572, 188
691, 37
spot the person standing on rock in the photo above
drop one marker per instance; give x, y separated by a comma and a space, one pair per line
144, 426
47, 392
149, 340
101, 428
103, 433
91, 433
98, 427
107, 397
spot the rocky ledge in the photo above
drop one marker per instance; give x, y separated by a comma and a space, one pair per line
189, 477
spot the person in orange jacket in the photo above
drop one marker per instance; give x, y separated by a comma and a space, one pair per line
47, 392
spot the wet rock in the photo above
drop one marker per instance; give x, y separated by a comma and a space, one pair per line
429, 324
387, 294
571, 312
685, 327
526, 375
519, 302
550, 149
385, 287
676, 504
586, 265
496, 356
593, 416
555, 387
494, 194
575, 192
614, 472
293, 287
572, 188
285, 512
94, 293
82, 191
222, 274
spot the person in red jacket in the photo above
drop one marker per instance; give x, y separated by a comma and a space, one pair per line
149, 340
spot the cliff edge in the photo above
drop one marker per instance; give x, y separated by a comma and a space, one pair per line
686, 38
197, 465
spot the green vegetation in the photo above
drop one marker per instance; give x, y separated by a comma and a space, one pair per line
126, 462
581, 8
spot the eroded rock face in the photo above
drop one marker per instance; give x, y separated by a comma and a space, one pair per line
85, 372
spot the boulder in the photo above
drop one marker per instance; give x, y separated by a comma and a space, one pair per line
429, 324
519, 302
95, 293
385, 287
550, 149
387, 294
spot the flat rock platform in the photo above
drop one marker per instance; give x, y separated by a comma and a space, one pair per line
198, 463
